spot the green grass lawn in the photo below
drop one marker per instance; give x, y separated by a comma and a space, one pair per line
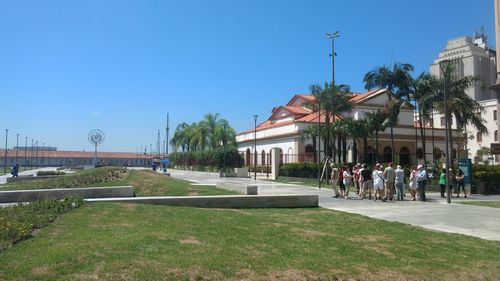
493, 204
108, 241
145, 182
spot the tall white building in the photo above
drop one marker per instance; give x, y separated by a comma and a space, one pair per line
472, 57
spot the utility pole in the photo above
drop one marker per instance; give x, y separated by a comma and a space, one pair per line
25, 153
17, 148
5, 160
168, 129
255, 147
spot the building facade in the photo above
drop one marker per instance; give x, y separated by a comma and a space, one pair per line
472, 57
285, 127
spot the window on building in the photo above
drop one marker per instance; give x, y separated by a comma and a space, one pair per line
494, 115
496, 136
442, 122
479, 137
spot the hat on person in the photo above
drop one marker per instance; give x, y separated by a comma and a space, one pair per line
399, 167
358, 165
420, 166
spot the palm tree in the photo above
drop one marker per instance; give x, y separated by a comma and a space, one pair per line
424, 91
397, 81
460, 105
333, 100
376, 123
212, 121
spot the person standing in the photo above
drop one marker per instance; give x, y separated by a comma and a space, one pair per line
460, 179
15, 171
366, 182
442, 182
399, 182
378, 182
347, 181
356, 176
335, 180
413, 183
421, 182
389, 176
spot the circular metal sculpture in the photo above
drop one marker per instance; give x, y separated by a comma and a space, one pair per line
96, 137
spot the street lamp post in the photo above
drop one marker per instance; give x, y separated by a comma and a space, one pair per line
442, 66
48, 155
255, 146
319, 144
331, 36
25, 153
31, 155
17, 147
36, 161
5, 160
224, 140
43, 154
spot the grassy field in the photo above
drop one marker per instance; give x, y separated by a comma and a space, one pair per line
493, 204
145, 182
143, 242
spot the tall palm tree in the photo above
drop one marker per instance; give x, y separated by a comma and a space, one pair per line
333, 100
397, 81
460, 105
212, 121
376, 123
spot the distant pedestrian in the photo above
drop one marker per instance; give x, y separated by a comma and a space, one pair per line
460, 182
399, 182
422, 182
378, 182
347, 181
413, 183
335, 180
341, 182
15, 170
389, 175
442, 182
356, 177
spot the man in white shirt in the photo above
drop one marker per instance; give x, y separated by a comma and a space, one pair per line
421, 181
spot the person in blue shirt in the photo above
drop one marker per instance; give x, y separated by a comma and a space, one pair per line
421, 181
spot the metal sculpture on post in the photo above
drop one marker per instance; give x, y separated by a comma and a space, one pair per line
96, 137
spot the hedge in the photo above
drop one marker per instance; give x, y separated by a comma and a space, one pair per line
50, 173
18, 222
210, 158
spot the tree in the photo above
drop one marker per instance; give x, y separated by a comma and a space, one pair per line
397, 81
465, 109
375, 124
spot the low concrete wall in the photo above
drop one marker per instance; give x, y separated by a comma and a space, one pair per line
59, 193
227, 201
244, 189
29, 178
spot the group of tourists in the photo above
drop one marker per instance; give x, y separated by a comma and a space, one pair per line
385, 183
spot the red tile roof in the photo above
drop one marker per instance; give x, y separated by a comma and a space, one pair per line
68, 154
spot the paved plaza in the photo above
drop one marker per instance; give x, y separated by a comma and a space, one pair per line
436, 214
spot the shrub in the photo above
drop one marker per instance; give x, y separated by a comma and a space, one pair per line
214, 159
260, 168
18, 222
301, 170
50, 173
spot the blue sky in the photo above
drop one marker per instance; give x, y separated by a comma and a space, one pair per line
67, 67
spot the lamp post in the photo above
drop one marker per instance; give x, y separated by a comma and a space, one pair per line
255, 146
43, 154
442, 66
224, 141
5, 160
319, 144
36, 161
48, 155
17, 147
25, 153
332, 37
31, 155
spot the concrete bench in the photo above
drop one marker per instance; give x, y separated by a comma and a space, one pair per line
59, 193
244, 189
223, 201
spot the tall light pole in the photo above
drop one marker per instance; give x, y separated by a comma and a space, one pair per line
224, 140
31, 155
17, 148
332, 37
319, 143
168, 129
255, 146
25, 153
48, 155
43, 154
36, 161
5, 160
443, 66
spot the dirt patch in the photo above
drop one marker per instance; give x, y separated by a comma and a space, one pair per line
310, 233
190, 241
43, 270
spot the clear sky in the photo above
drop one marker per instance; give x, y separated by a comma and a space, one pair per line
67, 67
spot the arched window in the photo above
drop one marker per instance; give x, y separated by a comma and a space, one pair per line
479, 137
263, 158
309, 148
289, 155
387, 156
281, 156
420, 153
404, 156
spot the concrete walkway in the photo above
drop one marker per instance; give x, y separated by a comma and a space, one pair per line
3, 178
435, 214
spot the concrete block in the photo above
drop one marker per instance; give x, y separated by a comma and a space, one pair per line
244, 189
227, 201
241, 172
59, 193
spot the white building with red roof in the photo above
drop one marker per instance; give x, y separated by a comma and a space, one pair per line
284, 129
